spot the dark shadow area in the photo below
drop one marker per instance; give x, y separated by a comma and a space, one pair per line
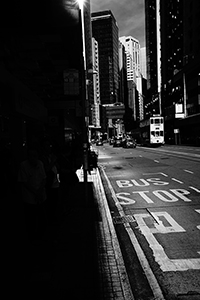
64, 263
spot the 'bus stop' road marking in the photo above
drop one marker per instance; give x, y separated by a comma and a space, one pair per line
141, 256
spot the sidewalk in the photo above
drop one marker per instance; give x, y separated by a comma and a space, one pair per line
83, 259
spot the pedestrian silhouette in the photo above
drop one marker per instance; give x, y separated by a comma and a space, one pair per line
68, 177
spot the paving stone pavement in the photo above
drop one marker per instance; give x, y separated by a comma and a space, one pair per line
114, 283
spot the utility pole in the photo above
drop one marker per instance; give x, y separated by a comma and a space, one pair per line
84, 97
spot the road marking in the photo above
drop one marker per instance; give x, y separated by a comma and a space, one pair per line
165, 175
188, 171
195, 189
141, 256
177, 180
162, 195
166, 264
175, 152
198, 226
123, 183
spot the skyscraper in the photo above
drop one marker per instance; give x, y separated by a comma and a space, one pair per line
143, 62
132, 48
96, 84
172, 40
105, 31
153, 47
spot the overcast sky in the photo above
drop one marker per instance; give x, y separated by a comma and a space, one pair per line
129, 15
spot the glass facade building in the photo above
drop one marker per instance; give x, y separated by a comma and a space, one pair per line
105, 31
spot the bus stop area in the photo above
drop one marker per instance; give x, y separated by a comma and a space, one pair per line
79, 258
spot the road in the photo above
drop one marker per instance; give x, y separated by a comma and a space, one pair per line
154, 199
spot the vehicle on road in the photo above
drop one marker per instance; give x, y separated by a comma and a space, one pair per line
117, 142
111, 141
152, 131
99, 142
129, 143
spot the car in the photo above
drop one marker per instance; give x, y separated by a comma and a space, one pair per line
111, 141
117, 142
99, 143
129, 143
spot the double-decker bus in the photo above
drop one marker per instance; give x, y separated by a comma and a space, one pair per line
152, 131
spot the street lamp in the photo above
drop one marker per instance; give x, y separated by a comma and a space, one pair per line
83, 94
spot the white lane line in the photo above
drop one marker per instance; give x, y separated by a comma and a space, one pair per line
163, 174
157, 161
177, 180
188, 171
157, 292
195, 189
176, 152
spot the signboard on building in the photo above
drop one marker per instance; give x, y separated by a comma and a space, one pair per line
115, 111
179, 110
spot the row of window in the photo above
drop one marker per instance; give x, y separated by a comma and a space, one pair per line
157, 121
157, 133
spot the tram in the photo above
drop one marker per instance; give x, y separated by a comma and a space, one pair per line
152, 131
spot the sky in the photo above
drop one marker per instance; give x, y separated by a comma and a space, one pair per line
129, 14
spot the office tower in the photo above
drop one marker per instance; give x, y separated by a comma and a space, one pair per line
105, 31
123, 96
153, 48
172, 40
88, 59
96, 84
180, 61
143, 67
132, 48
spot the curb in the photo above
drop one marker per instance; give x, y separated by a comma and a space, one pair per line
112, 267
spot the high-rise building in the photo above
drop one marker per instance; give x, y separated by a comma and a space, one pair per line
143, 63
132, 48
96, 85
173, 65
153, 48
180, 69
105, 31
122, 75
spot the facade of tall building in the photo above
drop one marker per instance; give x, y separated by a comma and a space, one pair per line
122, 75
96, 85
180, 24
105, 31
132, 48
143, 63
152, 17
88, 57
135, 98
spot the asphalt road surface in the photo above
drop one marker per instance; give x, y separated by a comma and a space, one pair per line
154, 199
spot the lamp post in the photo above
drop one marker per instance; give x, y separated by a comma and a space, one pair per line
83, 92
